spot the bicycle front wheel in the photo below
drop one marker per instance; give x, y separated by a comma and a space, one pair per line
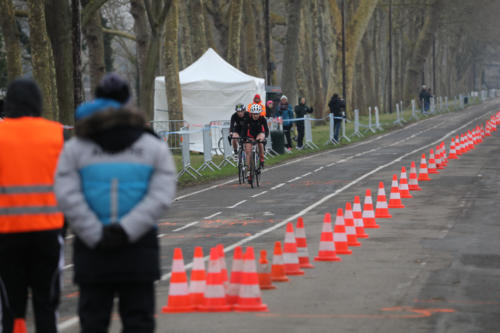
252, 170
257, 169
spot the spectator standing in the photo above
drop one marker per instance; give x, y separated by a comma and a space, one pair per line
257, 100
270, 109
300, 111
337, 107
425, 99
30, 220
285, 111
114, 180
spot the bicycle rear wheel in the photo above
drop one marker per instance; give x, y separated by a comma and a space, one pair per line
241, 166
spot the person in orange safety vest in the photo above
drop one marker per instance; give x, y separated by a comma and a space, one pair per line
30, 220
257, 100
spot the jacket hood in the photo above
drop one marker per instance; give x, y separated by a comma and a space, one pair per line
113, 129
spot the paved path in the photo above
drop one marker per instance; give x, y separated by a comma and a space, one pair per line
433, 267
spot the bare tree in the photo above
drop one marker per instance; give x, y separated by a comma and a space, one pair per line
233, 49
42, 59
290, 59
11, 37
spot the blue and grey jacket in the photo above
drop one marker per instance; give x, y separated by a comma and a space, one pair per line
115, 171
286, 113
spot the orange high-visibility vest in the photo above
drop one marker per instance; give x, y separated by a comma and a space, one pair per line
29, 150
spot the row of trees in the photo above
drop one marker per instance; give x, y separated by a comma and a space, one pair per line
391, 46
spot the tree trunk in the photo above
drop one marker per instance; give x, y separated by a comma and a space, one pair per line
316, 99
250, 41
354, 34
94, 37
199, 35
172, 83
11, 37
421, 49
142, 34
233, 48
59, 29
77, 53
186, 51
42, 59
290, 58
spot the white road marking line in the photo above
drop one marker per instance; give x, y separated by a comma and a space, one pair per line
68, 323
160, 235
237, 204
258, 194
210, 216
277, 186
318, 169
294, 179
306, 174
67, 266
69, 237
187, 226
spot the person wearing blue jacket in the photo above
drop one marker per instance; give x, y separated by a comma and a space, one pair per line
285, 111
115, 178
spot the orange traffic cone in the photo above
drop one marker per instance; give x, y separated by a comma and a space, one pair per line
222, 265
249, 298
368, 212
302, 251
197, 283
233, 289
404, 190
395, 197
432, 162
358, 218
19, 326
423, 174
439, 157
453, 153
326, 251
264, 272
350, 228
340, 235
290, 257
178, 292
458, 145
215, 294
413, 183
381, 209
278, 267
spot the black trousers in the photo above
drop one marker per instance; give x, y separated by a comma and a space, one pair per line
136, 306
286, 130
31, 260
300, 131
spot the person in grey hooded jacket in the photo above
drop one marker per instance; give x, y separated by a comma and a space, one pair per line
114, 180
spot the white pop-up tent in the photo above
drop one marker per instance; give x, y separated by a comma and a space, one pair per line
210, 88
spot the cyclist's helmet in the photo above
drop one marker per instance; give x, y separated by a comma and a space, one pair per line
239, 107
256, 109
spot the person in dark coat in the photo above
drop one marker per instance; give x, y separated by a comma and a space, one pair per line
300, 111
115, 178
337, 107
285, 111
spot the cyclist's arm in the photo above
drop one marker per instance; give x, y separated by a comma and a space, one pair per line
231, 126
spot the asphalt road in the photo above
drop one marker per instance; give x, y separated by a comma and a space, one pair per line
433, 267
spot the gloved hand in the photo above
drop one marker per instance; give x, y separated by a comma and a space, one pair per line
113, 237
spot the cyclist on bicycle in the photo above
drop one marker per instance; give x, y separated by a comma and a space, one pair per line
238, 120
255, 129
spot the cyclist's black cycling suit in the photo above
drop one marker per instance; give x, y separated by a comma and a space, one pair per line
237, 123
252, 127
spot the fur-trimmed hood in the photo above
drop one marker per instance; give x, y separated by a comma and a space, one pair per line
113, 129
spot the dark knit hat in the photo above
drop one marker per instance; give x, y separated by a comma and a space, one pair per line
23, 99
112, 86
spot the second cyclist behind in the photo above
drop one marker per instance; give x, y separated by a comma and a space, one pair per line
255, 129
238, 120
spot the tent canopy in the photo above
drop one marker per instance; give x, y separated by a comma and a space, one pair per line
210, 88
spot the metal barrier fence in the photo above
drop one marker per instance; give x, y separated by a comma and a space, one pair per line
169, 131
